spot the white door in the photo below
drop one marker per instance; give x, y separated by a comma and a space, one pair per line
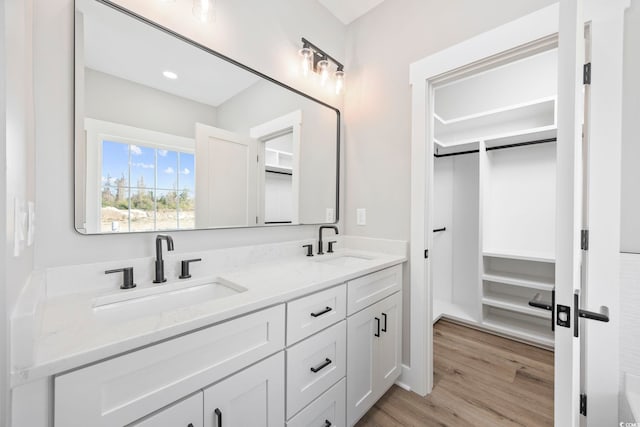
389, 352
587, 277
253, 397
363, 333
226, 178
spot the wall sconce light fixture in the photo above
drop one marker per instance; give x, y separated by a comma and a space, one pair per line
316, 60
204, 10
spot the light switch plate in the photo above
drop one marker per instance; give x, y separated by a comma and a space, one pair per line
361, 216
330, 215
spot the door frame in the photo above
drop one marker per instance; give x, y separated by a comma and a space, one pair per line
291, 122
606, 21
529, 29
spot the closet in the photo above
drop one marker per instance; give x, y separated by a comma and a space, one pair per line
494, 197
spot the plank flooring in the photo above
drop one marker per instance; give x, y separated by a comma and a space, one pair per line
479, 380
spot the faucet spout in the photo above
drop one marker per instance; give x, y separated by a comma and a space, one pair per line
320, 244
159, 270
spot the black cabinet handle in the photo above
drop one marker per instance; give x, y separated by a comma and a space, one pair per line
384, 328
320, 313
377, 334
321, 366
327, 423
218, 413
190, 425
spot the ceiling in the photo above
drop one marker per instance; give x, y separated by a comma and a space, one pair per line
348, 11
124, 47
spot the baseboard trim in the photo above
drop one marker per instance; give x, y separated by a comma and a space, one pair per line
402, 380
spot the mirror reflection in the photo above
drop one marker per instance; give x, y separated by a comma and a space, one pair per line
170, 136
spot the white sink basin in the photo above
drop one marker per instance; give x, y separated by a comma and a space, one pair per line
345, 260
159, 298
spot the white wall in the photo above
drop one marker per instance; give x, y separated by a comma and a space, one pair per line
630, 218
17, 156
263, 35
380, 47
4, 315
117, 100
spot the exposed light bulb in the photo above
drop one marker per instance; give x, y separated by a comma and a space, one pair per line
307, 55
204, 10
339, 81
323, 69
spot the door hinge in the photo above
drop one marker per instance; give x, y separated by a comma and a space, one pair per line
583, 404
586, 74
426, 253
584, 240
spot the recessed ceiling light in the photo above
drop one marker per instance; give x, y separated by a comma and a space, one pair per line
170, 75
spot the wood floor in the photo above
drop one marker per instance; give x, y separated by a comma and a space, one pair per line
479, 380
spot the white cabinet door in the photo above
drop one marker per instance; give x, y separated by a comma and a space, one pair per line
361, 345
388, 364
374, 354
186, 413
253, 397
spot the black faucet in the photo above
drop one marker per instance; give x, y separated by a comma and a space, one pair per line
159, 261
322, 227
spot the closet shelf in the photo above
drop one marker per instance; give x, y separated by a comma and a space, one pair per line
519, 279
506, 138
537, 257
532, 332
513, 303
498, 123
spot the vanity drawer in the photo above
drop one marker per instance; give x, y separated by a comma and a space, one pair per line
124, 389
366, 290
314, 365
187, 412
331, 407
310, 314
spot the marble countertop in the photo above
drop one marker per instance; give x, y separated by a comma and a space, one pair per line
72, 333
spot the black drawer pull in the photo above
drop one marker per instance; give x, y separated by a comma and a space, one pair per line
320, 313
384, 328
218, 413
327, 423
377, 334
190, 425
321, 366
